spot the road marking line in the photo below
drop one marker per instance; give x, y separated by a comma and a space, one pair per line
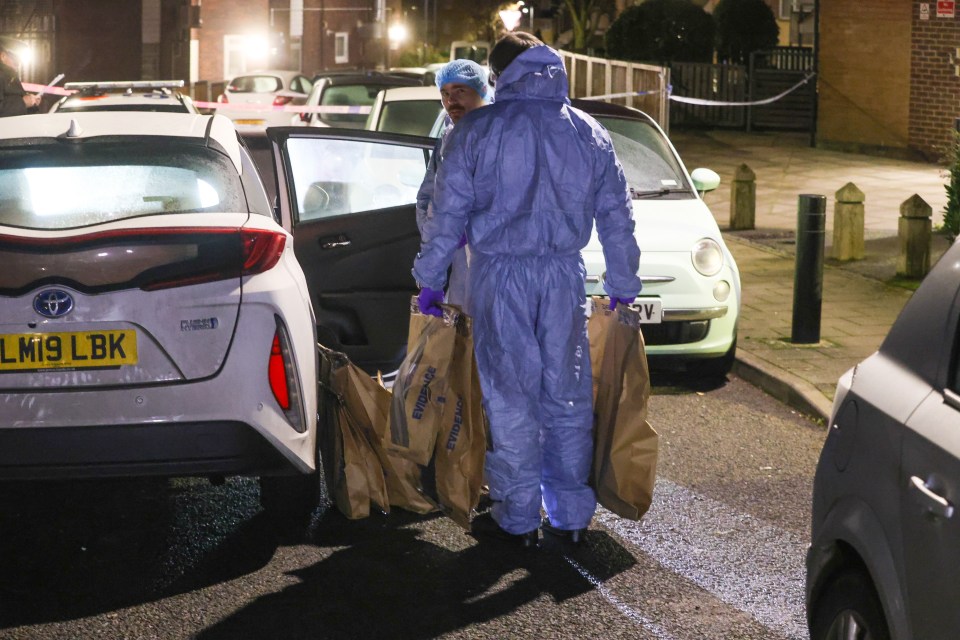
753, 566
621, 606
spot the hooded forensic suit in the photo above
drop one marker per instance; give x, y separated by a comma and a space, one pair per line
526, 177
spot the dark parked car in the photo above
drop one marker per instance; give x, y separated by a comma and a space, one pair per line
885, 544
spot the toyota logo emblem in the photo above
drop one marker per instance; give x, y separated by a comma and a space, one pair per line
53, 303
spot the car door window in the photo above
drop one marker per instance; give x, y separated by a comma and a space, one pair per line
412, 117
301, 84
334, 177
954, 379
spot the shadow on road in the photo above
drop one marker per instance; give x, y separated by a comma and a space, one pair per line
80, 548
388, 581
75, 550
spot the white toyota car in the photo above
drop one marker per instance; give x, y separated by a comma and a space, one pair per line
153, 317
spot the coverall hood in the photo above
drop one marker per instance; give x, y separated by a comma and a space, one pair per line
536, 74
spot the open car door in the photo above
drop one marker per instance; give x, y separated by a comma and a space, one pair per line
349, 198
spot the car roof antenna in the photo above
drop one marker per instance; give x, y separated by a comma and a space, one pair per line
74, 131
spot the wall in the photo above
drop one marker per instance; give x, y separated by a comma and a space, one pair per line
934, 85
98, 40
223, 17
864, 82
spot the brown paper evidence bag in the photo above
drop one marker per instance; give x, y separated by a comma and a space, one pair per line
422, 447
625, 445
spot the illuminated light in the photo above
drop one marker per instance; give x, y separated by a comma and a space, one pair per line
208, 195
25, 56
510, 18
258, 47
397, 33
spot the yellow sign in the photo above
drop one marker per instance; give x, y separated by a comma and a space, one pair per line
77, 349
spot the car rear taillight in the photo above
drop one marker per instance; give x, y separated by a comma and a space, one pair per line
279, 101
284, 383
278, 374
261, 249
222, 98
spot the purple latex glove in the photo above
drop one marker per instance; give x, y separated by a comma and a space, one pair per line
614, 301
429, 302
463, 242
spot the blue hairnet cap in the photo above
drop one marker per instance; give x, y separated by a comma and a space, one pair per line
465, 72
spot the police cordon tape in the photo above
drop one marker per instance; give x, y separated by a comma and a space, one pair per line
701, 101
248, 106
289, 108
239, 106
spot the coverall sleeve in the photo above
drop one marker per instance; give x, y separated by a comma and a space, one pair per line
453, 200
615, 225
425, 193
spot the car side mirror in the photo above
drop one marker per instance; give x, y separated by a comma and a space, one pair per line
705, 180
304, 116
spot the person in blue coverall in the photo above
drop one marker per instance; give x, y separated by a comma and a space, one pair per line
526, 178
463, 88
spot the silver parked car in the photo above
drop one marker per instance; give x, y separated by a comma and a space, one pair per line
886, 534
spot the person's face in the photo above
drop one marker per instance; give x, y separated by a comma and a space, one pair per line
9, 59
459, 100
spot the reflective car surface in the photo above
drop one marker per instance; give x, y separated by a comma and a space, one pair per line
154, 319
412, 111
139, 95
257, 99
691, 284
346, 98
885, 538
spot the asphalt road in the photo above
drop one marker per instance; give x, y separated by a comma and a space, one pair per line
719, 555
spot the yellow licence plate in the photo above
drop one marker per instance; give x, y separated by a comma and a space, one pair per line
247, 121
76, 349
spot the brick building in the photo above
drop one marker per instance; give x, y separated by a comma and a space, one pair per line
888, 76
194, 40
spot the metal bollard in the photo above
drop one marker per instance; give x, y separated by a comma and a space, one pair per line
808, 276
743, 199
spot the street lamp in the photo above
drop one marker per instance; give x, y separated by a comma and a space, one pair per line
396, 33
510, 18
527, 8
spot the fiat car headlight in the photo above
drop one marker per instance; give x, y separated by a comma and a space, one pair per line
707, 257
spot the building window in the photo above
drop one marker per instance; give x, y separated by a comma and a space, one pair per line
788, 7
785, 7
341, 48
234, 55
194, 61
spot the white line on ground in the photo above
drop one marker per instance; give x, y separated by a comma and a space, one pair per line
621, 606
749, 564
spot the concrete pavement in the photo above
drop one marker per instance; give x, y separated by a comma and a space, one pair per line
859, 303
